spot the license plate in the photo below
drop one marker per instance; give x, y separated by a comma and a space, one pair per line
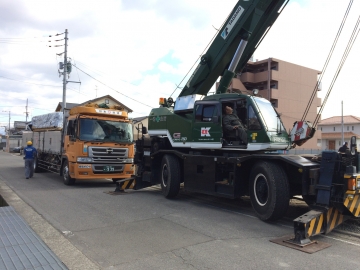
108, 169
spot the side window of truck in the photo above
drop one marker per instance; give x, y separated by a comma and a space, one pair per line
70, 128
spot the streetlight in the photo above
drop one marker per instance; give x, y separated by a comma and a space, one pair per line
9, 121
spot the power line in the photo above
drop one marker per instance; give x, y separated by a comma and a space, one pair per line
30, 82
111, 87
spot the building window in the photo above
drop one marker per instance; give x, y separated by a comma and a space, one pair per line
347, 128
106, 101
334, 128
321, 128
274, 85
274, 102
352, 127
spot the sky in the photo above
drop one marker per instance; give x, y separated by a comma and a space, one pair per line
140, 50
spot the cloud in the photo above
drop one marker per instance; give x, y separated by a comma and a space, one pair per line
140, 50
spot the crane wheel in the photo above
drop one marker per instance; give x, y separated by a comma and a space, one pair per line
269, 190
170, 176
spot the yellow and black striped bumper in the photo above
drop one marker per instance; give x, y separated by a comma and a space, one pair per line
316, 222
352, 202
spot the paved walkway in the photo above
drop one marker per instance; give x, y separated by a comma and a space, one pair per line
20, 247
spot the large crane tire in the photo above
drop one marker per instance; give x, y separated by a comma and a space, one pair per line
269, 190
170, 176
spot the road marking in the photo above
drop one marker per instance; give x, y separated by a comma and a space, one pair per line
344, 241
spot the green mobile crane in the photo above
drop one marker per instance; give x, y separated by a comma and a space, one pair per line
186, 142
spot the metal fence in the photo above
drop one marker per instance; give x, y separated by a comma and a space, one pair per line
300, 151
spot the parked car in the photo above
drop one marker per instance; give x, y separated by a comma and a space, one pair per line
16, 149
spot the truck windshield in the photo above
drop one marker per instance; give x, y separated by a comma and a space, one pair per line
105, 131
269, 115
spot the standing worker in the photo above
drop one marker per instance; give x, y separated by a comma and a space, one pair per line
343, 148
30, 153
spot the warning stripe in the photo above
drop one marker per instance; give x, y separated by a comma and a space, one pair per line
355, 200
315, 225
128, 184
299, 125
353, 205
334, 218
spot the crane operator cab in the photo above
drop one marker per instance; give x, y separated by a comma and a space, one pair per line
234, 124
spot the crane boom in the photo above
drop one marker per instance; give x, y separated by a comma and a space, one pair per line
250, 21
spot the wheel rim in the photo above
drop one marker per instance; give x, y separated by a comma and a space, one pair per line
261, 189
66, 173
165, 175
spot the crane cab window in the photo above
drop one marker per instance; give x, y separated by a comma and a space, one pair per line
253, 121
205, 113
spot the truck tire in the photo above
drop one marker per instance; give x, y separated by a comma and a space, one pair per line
68, 180
269, 190
36, 165
170, 176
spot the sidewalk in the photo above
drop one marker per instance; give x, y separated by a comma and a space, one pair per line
20, 247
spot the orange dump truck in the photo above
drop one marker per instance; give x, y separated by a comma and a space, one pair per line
89, 143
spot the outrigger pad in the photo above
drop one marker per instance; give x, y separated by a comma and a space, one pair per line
310, 248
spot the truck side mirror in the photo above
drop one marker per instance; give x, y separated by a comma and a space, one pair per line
144, 130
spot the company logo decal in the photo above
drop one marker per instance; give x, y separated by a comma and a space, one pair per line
205, 132
235, 17
158, 119
108, 112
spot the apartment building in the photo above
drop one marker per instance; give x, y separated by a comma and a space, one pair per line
288, 87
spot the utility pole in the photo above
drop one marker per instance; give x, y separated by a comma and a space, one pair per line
26, 107
64, 74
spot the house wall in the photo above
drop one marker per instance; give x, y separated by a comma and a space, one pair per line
337, 128
144, 122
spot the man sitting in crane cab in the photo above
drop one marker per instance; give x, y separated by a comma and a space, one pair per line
233, 128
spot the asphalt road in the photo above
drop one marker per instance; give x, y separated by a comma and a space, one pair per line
143, 230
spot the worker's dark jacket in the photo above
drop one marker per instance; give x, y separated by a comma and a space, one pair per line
343, 148
231, 120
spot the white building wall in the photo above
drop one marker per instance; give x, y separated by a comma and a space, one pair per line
355, 128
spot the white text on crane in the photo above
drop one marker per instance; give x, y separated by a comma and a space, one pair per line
234, 18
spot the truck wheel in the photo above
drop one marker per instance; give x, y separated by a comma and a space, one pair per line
269, 190
68, 180
170, 176
36, 165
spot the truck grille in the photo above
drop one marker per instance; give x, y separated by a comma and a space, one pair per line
108, 154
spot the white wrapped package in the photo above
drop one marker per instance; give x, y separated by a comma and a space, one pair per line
50, 120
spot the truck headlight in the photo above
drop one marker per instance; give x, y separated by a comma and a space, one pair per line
84, 159
128, 160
